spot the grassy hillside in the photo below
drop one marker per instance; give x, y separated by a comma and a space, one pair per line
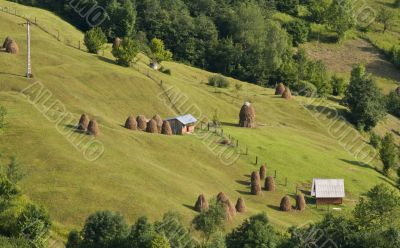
144, 174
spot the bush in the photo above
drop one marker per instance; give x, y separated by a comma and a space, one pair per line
126, 52
395, 55
388, 153
158, 51
95, 40
338, 85
305, 88
165, 70
375, 140
393, 103
299, 30
218, 81
3, 113
14, 243
288, 6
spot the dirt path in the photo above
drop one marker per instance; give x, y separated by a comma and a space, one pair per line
341, 58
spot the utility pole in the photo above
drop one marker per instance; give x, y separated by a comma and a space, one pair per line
28, 44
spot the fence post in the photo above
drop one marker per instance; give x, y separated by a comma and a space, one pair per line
285, 181
222, 132
79, 44
275, 174
296, 189
161, 82
58, 35
256, 160
247, 150
35, 20
208, 126
237, 143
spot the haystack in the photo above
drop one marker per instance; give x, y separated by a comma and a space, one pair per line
6, 41
152, 126
141, 122
226, 142
240, 205
230, 210
263, 172
287, 94
285, 204
201, 203
93, 128
131, 123
255, 183
166, 128
117, 42
12, 47
83, 122
269, 184
159, 122
247, 116
300, 202
280, 88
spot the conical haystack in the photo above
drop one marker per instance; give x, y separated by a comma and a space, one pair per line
152, 126
240, 205
285, 204
131, 123
166, 128
255, 183
230, 210
93, 128
159, 122
263, 172
247, 116
141, 122
83, 122
269, 184
201, 203
287, 94
117, 42
6, 41
12, 47
300, 202
280, 88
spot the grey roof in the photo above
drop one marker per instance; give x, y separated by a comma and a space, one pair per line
328, 188
184, 119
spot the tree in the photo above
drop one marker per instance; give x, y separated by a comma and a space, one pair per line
13, 172
288, 6
120, 19
375, 140
94, 40
210, 221
34, 225
319, 10
74, 239
160, 241
299, 31
126, 52
387, 17
341, 17
378, 208
393, 103
173, 229
255, 232
158, 51
141, 235
364, 99
388, 153
104, 229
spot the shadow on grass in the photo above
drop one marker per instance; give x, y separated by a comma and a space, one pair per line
189, 207
244, 192
242, 182
357, 163
273, 207
75, 129
11, 74
229, 124
107, 60
388, 181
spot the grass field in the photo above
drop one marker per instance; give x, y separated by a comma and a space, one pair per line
144, 174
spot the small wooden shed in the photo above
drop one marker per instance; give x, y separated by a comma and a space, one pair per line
182, 124
328, 191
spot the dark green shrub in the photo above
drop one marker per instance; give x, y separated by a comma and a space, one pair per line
299, 30
288, 6
375, 140
338, 85
94, 40
126, 52
393, 103
305, 88
218, 81
14, 243
395, 55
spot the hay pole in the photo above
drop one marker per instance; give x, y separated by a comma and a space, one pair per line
247, 150
237, 143
275, 174
285, 181
256, 160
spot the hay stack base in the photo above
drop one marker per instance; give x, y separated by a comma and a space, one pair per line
255, 183
280, 88
230, 210
166, 128
300, 202
201, 203
131, 123
285, 205
287, 94
263, 172
141, 122
159, 122
152, 126
12, 47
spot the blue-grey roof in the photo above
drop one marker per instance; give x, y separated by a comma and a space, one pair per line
184, 119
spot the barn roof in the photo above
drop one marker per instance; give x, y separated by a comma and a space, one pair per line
184, 119
328, 188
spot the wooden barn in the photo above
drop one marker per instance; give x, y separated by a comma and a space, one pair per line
182, 124
328, 191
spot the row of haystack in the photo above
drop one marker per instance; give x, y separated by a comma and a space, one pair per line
10, 45
230, 210
286, 205
88, 126
247, 116
154, 125
283, 91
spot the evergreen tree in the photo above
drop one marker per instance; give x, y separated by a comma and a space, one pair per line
94, 40
388, 153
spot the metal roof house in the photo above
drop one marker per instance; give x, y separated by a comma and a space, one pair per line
328, 191
182, 124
